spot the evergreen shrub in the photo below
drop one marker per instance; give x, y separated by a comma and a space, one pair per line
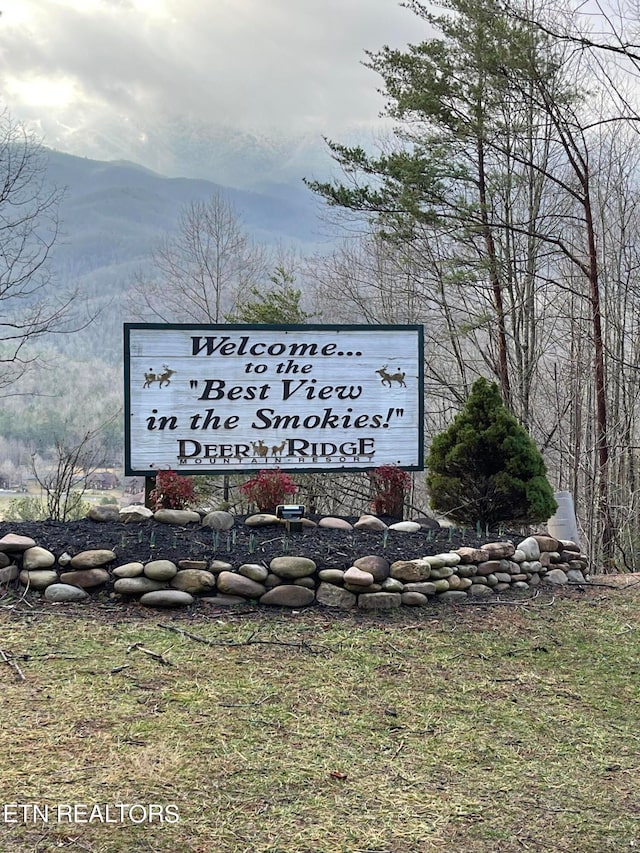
486, 468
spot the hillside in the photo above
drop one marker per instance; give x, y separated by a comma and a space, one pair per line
112, 217
115, 213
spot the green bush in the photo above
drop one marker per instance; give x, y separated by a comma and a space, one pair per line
485, 467
34, 509
25, 509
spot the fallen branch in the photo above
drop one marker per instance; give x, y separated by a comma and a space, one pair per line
51, 656
395, 754
82, 845
155, 655
8, 659
23, 598
250, 641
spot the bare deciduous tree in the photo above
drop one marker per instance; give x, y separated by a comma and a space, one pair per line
499, 156
29, 306
200, 273
66, 482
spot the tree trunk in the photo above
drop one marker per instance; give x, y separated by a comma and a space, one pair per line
602, 439
503, 364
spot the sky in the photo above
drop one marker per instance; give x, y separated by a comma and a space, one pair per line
150, 80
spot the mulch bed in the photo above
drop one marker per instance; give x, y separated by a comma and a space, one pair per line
329, 548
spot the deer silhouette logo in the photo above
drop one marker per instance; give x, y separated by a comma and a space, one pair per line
163, 378
389, 378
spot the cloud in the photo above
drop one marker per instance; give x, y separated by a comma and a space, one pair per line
283, 63
161, 81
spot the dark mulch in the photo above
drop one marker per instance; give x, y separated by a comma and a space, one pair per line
329, 548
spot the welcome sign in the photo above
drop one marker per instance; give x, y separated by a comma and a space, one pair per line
223, 398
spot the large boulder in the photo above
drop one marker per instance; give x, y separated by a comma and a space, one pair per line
335, 596
64, 592
194, 581
232, 583
254, 571
457, 595
547, 543
427, 522
166, 598
135, 513
423, 587
378, 566
292, 567
357, 577
39, 578
334, 576
369, 522
85, 578
405, 527
218, 520
262, 519
379, 600
499, 550
411, 571
8, 573
557, 577
92, 559
471, 555
332, 523
136, 586
104, 513
129, 570
530, 547
414, 599
181, 517
160, 570
12, 542
37, 558
288, 595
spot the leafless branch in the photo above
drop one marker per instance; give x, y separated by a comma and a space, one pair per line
8, 659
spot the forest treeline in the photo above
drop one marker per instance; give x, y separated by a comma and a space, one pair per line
500, 210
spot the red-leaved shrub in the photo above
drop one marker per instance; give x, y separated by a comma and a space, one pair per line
268, 489
389, 485
172, 491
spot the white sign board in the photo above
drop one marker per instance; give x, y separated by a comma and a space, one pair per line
202, 399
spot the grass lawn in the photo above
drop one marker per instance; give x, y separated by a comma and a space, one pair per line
465, 728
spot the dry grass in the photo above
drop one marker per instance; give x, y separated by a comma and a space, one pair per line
470, 728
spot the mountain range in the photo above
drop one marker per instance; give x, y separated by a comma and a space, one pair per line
115, 213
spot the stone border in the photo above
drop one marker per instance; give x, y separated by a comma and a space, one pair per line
371, 583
